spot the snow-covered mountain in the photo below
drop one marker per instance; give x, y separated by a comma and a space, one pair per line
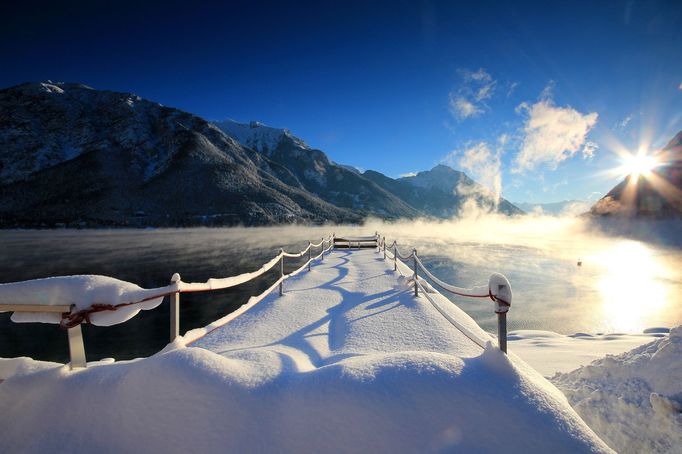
70, 154
316, 173
656, 196
439, 192
442, 191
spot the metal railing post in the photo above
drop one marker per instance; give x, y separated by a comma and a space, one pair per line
395, 256
310, 254
175, 310
281, 273
76, 348
502, 331
501, 293
416, 291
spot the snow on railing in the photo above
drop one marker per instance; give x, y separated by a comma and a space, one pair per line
90, 291
498, 290
100, 300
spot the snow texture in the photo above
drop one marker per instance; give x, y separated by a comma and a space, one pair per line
550, 352
256, 135
633, 400
81, 291
347, 360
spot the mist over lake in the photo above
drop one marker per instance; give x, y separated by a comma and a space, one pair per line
623, 285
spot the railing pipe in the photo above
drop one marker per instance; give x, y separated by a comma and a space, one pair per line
395, 256
76, 348
281, 273
502, 331
416, 291
174, 310
501, 294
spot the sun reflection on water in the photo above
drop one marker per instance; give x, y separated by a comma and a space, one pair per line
632, 287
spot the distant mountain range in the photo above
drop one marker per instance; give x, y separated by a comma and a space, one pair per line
72, 155
657, 195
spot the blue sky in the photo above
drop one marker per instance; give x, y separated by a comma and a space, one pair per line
529, 97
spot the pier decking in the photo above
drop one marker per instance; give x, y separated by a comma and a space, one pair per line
352, 303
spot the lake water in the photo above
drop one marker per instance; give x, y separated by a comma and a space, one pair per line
623, 285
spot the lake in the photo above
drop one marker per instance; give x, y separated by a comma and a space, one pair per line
622, 285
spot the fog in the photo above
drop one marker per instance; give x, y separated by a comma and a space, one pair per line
624, 284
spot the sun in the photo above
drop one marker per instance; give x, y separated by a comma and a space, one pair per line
638, 164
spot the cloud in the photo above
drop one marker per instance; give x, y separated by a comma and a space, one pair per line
680, 86
552, 134
469, 99
512, 88
484, 165
408, 174
461, 108
548, 92
624, 124
588, 150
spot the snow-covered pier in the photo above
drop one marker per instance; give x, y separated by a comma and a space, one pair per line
350, 353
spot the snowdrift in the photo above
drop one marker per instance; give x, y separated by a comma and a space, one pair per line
191, 399
633, 400
347, 360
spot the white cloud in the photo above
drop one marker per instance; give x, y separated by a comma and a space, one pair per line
512, 88
548, 91
588, 150
680, 86
408, 174
483, 164
552, 134
622, 125
469, 99
461, 108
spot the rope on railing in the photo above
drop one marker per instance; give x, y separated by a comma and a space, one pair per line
475, 292
69, 320
498, 290
452, 321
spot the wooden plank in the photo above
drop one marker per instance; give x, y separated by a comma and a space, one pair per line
34, 308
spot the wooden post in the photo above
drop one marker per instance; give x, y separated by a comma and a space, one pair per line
384, 243
502, 331
281, 273
175, 310
76, 348
395, 256
310, 254
322, 249
416, 291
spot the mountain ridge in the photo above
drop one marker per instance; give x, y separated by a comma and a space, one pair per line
73, 155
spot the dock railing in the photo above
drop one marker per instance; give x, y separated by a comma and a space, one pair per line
71, 319
498, 290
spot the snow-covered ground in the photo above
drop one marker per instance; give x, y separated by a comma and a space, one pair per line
632, 400
549, 352
346, 361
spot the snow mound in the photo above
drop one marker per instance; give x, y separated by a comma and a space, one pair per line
81, 291
194, 400
549, 352
633, 400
